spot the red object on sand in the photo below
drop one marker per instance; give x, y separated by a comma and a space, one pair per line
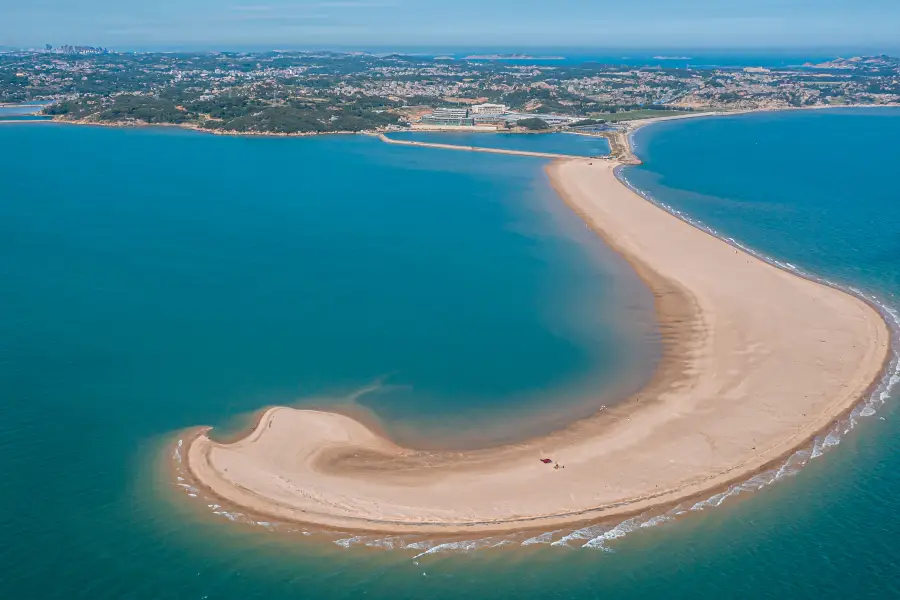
546, 461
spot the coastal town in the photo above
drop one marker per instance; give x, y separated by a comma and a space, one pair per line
292, 92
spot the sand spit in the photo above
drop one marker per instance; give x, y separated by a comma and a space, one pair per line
756, 361
551, 155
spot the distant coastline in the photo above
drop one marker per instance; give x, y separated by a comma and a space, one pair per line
618, 137
511, 57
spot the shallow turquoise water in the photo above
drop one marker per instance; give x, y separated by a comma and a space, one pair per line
97, 365
238, 273
20, 110
20, 118
157, 279
22, 113
557, 143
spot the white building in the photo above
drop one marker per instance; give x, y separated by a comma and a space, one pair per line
451, 113
489, 109
548, 119
448, 116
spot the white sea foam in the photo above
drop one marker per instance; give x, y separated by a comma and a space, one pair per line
544, 538
585, 533
619, 531
817, 448
231, 516
189, 488
423, 545
657, 520
388, 543
351, 541
715, 500
460, 546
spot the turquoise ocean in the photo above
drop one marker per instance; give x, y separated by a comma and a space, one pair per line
155, 279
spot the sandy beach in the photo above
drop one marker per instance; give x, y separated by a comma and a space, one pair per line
756, 361
552, 155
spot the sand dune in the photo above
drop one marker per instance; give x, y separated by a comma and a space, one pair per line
756, 361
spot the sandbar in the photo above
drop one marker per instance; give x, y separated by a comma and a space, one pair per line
756, 361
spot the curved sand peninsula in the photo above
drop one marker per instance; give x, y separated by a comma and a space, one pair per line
756, 361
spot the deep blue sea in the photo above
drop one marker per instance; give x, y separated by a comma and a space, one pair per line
152, 280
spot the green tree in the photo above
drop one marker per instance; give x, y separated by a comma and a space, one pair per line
533, 124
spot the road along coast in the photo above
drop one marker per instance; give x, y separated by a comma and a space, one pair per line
755, 362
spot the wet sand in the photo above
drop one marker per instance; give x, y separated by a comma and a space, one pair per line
755, 362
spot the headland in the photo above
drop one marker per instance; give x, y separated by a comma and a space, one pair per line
756, 361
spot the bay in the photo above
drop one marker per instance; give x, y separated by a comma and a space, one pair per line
91, 393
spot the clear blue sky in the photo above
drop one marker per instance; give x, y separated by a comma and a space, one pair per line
873, 24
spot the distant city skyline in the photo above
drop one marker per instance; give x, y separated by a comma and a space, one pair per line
695, 24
